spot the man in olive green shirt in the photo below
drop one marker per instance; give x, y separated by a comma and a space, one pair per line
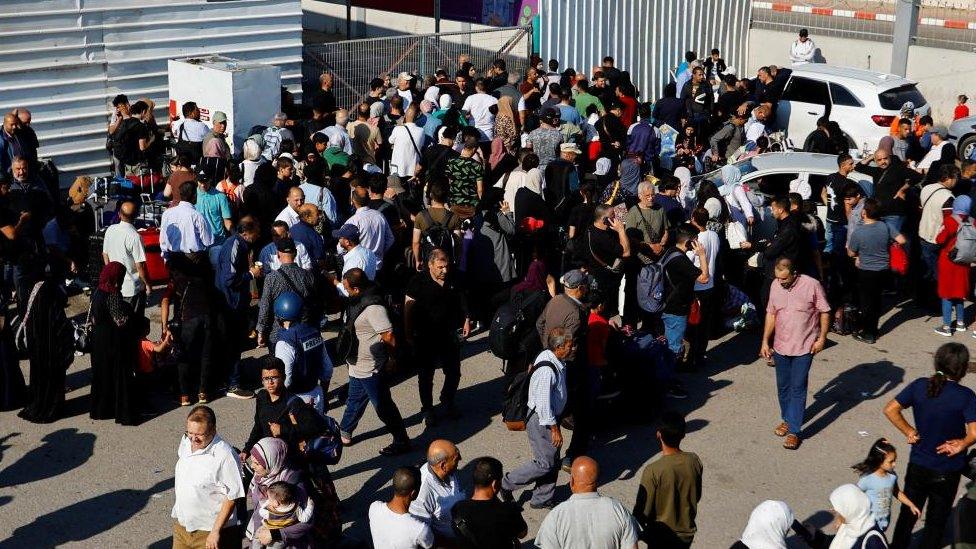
670, 489
646, 222
584, 99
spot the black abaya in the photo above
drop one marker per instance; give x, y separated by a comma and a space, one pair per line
13, 390
114, 357
50, 352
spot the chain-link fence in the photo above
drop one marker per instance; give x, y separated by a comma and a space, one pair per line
949, 24
355, 62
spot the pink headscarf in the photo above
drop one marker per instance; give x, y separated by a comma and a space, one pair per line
272, 454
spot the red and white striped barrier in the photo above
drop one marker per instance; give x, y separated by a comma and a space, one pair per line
863, 15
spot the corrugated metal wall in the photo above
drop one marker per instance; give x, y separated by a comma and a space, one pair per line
646, 37
66, 59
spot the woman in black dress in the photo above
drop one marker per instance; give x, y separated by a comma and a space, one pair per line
114, 350
50, 348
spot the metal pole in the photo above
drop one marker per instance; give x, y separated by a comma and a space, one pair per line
906, 25
437, 16
348, 19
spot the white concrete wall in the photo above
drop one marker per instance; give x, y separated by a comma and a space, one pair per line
330, 18
941, 74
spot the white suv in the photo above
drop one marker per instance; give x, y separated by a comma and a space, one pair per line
863, 102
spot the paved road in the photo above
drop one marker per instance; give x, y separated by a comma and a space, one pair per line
79, 483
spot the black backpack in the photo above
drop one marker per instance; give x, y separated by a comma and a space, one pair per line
124, 146
437, 235
347, 342
193, 149
510, 325
515, 407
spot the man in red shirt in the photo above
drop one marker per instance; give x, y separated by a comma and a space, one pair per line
799, 315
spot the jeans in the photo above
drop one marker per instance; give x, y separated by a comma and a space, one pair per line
374, 390
674, 331
792, 373
434, 353
948, 305
869, 286
930, 256
938, 489
837, 241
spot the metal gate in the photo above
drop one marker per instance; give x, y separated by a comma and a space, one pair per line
355, 62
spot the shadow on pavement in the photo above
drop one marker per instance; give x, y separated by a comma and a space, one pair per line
83, 520
61, 452
867, 381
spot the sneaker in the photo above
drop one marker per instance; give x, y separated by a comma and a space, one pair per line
944, 331
676, 392
864, 338
506, 495
202, 398
237, 392
960, 326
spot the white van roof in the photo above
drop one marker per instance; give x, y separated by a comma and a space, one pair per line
878, 79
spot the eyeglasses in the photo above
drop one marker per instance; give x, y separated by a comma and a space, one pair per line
271, 378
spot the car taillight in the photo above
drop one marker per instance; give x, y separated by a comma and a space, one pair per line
883, 120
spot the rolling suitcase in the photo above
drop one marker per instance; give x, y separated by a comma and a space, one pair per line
95, 261
155, 267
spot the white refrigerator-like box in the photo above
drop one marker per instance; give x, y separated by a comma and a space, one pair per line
248, 93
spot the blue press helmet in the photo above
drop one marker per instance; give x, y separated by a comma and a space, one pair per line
288, 306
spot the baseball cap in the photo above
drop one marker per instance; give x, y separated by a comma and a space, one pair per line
286, 246
219, 116
574, 279
940, 130
372, 168
570, 147
347, 231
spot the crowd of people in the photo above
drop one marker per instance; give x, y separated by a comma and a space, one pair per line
600, 240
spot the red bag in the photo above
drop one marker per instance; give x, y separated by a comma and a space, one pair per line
694, 315
898, 259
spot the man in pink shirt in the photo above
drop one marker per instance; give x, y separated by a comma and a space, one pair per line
799, 315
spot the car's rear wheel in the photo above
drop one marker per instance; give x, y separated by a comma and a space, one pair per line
966, 147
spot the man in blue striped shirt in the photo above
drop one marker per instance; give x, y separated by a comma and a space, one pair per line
547, 399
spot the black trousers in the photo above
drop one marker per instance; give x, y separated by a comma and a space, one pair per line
870, 285
434, 353
196, 339
701, 334
923, 485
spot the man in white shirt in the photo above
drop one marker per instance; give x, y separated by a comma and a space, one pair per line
547, 399
939, 135
700, 334
403, 89
189, 128
296, 197
123, 244
587, 519
407, 140
207, 483
183, 228
375, 233
391, 524
354, 256
268, 256
339, 132
478, 106
439, 489
803, 49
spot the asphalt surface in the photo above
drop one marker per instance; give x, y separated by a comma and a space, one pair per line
81, 483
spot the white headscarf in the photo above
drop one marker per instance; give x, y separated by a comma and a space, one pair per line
684, 188
731, 176
432, 93
602, 166
768, 525
852, 504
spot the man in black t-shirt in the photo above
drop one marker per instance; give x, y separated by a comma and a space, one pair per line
605, 250
833, 196
436, 320
680, 275
485, 522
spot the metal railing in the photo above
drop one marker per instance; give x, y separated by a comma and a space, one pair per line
354, 63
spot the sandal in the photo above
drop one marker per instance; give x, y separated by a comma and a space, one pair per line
782, 430
202, 398
792, 442
184, 400
346, 441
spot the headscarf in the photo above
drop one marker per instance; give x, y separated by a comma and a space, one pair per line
505, 108
376, 109
535, 279
445, 101
629, 176
731, 176
252, 150
887, 144
111, 277
497, 152
432, 93
272, 454
962, 205
768, 525
854, 506
603, 166
684, 188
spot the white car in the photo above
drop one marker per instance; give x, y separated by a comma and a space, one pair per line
962, 133
864, 103
770, 174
